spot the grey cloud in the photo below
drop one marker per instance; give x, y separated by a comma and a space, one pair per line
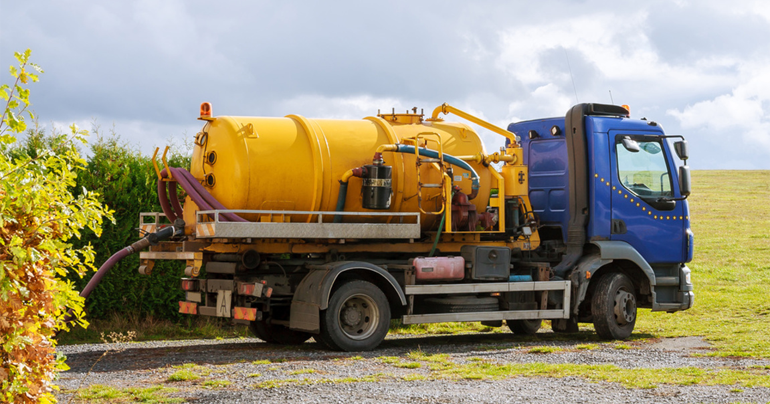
146, 65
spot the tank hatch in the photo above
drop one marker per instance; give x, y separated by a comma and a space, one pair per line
405, 118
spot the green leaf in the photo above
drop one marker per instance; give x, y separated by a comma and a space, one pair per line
37, 68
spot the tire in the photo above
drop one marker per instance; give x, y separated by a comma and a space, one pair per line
524, 327
357, 318
565, 326
613, 306
277, 334
258, 328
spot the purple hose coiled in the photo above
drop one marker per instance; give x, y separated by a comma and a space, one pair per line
199, 195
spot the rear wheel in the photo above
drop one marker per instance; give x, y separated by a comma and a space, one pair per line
277, 334
613, 306
524, 327
357, 318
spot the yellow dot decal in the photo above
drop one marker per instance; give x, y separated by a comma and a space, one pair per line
625, 196
620, 192
602, 180
668, 217
649, 212
661, 217
655, 217
643, 208
687, 217
608, 184
637, 204
596, 175
613, 188
680, 217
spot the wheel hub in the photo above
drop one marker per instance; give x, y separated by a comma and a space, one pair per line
351, 315
625, 307
359, 317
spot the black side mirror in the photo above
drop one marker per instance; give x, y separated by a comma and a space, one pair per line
630, 145
684, 179
680, 148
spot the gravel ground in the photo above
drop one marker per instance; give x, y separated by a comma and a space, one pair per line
312, 369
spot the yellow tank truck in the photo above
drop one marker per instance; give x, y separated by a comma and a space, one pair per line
329, 229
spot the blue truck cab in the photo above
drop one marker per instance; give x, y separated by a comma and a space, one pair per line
610, 193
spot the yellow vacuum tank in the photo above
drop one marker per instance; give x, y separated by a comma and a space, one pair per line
295, 163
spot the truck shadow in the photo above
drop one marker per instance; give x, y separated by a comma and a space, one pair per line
149, 358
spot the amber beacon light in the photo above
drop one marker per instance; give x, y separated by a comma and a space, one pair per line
205, 111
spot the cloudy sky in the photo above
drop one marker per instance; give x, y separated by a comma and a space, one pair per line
700, 68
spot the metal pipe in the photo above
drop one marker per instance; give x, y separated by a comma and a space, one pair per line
446, 109
346, 176
475, 185
486, 159
386, 147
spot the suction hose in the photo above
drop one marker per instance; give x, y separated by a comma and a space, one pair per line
196, 191
169, 202
151, 239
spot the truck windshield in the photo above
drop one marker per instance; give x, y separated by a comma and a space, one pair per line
645, 172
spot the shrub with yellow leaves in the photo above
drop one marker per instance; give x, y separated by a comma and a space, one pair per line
38, 216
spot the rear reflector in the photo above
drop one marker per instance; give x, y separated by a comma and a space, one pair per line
244, 313
251, 289
188, 308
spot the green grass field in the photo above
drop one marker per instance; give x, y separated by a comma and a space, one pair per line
730, 212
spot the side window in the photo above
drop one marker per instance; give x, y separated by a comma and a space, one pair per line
644, 172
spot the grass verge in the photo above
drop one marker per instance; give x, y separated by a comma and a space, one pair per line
731, 220
101, 393
148, 328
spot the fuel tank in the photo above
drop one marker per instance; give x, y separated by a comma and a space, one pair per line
295, 163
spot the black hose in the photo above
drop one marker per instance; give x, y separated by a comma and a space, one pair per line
341, 201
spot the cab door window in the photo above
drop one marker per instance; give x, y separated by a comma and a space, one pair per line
645, 172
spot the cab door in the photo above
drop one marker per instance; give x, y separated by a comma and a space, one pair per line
643, 186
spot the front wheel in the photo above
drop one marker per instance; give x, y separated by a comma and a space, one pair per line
357, 318
613, 306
